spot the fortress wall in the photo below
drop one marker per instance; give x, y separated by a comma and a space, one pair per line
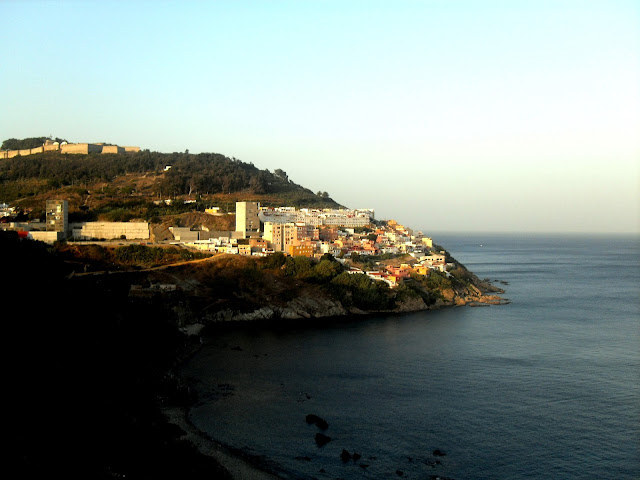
112, 149
22, 153
74, 148
81, 148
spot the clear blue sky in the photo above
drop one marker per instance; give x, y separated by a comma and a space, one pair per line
445, 115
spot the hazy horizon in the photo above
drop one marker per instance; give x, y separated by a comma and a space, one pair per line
446, 116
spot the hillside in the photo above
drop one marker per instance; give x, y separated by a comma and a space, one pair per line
124, 187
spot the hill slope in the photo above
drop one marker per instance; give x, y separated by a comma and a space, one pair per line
123, 187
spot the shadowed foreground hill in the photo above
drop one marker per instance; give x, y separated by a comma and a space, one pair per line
90, 357
86, 370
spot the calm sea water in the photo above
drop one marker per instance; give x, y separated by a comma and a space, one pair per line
545, 387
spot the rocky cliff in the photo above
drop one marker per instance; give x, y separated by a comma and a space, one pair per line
238, 296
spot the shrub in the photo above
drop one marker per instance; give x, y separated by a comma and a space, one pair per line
362, 291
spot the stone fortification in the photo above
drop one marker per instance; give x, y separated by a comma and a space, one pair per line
70, 148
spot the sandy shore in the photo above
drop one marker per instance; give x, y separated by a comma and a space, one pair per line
238, 467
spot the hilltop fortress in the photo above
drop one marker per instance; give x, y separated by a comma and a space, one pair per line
64, 147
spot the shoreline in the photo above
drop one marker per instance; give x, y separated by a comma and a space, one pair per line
241, 466
237, 465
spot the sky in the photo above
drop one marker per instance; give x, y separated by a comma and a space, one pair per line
487, 116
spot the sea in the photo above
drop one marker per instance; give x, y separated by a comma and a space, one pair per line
545, 387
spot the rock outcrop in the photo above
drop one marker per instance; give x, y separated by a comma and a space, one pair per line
319, 422
298, 308
317, 306
322, 439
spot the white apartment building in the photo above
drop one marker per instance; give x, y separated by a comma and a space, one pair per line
281, 235
247, 219
316, 217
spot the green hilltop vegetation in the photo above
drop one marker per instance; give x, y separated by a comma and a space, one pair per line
124, 187
24, 143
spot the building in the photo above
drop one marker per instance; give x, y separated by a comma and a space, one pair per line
110, 231
185, 234
247, 220
317, 217
307, 231
301, 250
57, 216
434, 259
281, 236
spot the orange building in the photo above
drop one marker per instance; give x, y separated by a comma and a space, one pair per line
301, 250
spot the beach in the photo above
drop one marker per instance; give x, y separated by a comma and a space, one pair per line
238, 467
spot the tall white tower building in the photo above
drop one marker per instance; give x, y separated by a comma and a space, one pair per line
247, 220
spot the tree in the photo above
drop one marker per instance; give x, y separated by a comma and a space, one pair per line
32, 142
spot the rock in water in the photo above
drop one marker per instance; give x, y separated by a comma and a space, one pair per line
319, 422
345, 455
322, 439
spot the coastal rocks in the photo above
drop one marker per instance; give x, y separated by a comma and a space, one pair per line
459, 301
475, 290
312, 303
448, 294
194, 329
322, 439
319, 422
345, 456
485, 300
353, 460
298, 308
411, 304
471, 296
228, 315
312, 307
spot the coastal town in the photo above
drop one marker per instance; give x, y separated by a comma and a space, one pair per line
262, 231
